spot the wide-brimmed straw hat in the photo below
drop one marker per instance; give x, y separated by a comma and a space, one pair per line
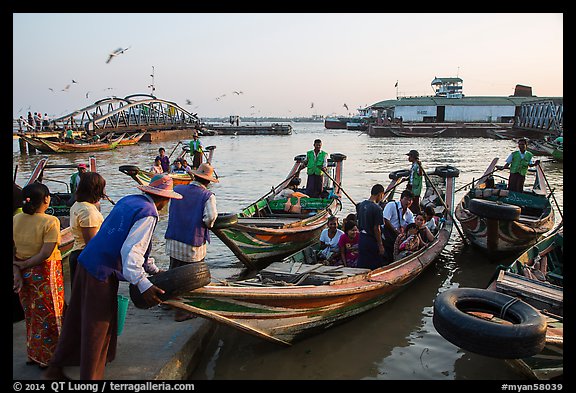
161, 185
205, 171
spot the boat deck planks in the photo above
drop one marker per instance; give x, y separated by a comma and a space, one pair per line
530, 290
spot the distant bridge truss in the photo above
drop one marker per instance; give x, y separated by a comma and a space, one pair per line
546, 115
132, 113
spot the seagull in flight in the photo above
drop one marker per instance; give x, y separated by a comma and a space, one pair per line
66, 88
188, 102
238, 92
87, 93
346, 106
73, 81
117, 52
51, 89
312, 105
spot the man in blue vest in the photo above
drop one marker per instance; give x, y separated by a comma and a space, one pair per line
316, 163
189, 221
518, 161
117, 252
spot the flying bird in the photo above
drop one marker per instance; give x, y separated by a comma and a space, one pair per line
117, 52
87, 93
73, 81
346, 106
188, 102
238, 92
311, 105
51, 89
66, 88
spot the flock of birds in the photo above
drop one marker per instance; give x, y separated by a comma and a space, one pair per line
120, 51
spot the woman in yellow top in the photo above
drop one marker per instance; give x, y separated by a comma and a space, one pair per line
37, 269
85, 216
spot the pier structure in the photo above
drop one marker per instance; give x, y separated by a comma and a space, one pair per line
546, 116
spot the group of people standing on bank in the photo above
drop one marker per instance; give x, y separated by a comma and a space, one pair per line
105, 251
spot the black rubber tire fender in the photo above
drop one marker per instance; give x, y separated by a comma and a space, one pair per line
300, 157
447, 171
130, 170
337, 157
175, 282
399, 173
224, 220
524, 337
492, 209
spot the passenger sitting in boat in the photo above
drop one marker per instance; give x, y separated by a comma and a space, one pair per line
348, 244
349, 217
290, 190
431, 218
408, 242
424, 232
177, 167
187, 168
329, 241
157, 167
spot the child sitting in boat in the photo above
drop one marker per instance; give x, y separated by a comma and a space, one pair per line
407, 242
348, 244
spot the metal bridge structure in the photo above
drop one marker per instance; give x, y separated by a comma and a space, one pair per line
543, 115
133, 113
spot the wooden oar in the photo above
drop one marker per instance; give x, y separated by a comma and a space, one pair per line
208, 162
224, 320
551, 191
444, 203
178, 144
340, 187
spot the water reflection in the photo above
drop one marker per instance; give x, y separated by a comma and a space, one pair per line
394, 341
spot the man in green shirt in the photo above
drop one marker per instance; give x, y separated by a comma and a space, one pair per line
196, 151
415, 181
518, 162
316, 162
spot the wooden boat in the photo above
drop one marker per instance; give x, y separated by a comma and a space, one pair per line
336, 123
534, 279
143, 176
60, 202
265, 231
298, 297
130, 139
540, 148
498, 220
46, 145
416, 134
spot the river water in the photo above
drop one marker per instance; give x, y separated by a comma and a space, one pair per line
396, 341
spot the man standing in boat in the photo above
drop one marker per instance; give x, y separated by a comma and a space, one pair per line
316, 162
518, 161
196, 150
415, 181
370, 220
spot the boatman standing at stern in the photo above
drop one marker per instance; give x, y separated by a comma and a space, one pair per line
316, 163
196, 150
415, 181
518, 161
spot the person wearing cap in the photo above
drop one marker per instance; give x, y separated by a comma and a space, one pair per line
76, 176
118, 251
189, 221
415, 181
316, 162
196, 151
518, 161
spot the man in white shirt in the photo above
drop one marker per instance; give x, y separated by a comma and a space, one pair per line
396, 216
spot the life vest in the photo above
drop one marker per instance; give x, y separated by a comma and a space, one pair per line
315, 164
520, 164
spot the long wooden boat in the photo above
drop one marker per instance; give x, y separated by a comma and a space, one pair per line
264, 232
540, 147
534, 278
46, 145
60, 202
143, 177
415, 134
498, 220
129, 139
298, 297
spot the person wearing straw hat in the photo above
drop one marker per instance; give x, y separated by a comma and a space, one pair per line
189, 221
118, 251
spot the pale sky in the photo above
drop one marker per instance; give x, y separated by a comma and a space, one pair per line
281, 62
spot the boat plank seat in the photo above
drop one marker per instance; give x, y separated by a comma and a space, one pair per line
539, 294
306, 274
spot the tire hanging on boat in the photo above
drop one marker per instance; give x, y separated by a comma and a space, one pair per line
446, 171
224, 220
522, 335
492, 209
